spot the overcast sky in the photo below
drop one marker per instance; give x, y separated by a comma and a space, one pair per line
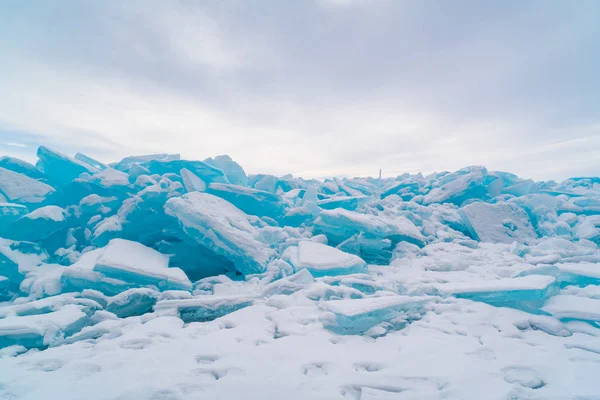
316, 87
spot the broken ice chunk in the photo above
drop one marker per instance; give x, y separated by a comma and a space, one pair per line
22, 167
498, 223
289, 284
355, 316
204, 308
123, 265
223, 228
579, 274
19, 188
524, 293
191, 181
42, 330
204, 171
321, 260
133, 262
132, 302
233, 171
573, 307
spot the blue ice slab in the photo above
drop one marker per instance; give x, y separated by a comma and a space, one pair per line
132, 302
22, 167
204, 308
90, 161
323, 260
61, 169
249, 200
233, 171
4, 285
524, 293
223, 228
204, 171
356, 316
345, 202
578, 274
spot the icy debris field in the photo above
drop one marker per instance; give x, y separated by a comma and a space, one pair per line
161, 278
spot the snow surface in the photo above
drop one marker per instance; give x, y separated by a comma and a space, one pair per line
160, 278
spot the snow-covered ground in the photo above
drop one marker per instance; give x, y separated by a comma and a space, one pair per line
160, 278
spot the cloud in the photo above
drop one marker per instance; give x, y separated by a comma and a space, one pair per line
306, 88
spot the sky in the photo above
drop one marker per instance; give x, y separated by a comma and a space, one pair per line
311, 87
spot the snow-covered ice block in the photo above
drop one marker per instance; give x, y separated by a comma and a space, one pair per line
20, 188
10, 212
498, 223
49, 304
233, 171
38, 224
133, 262
204, 308
527, 293
289, 284
355, 316
579, 274
122, 265
60, 168
249, 200
321, 260
42, 330
223, 228
569, 307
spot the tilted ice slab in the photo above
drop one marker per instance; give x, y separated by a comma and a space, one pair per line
223, 228
38, 224
20, 188
528, 292
251, 201
61, 168
573, 307
204, 308
355, 316
321, 260
341, 224
498, 223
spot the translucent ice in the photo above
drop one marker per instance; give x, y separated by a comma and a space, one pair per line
251, 201
223, 228
60, 168
19, 188
321, 259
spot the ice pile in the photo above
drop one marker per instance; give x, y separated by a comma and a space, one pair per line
470, 284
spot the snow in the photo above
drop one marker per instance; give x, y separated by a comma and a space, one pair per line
161, 278
52, 213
